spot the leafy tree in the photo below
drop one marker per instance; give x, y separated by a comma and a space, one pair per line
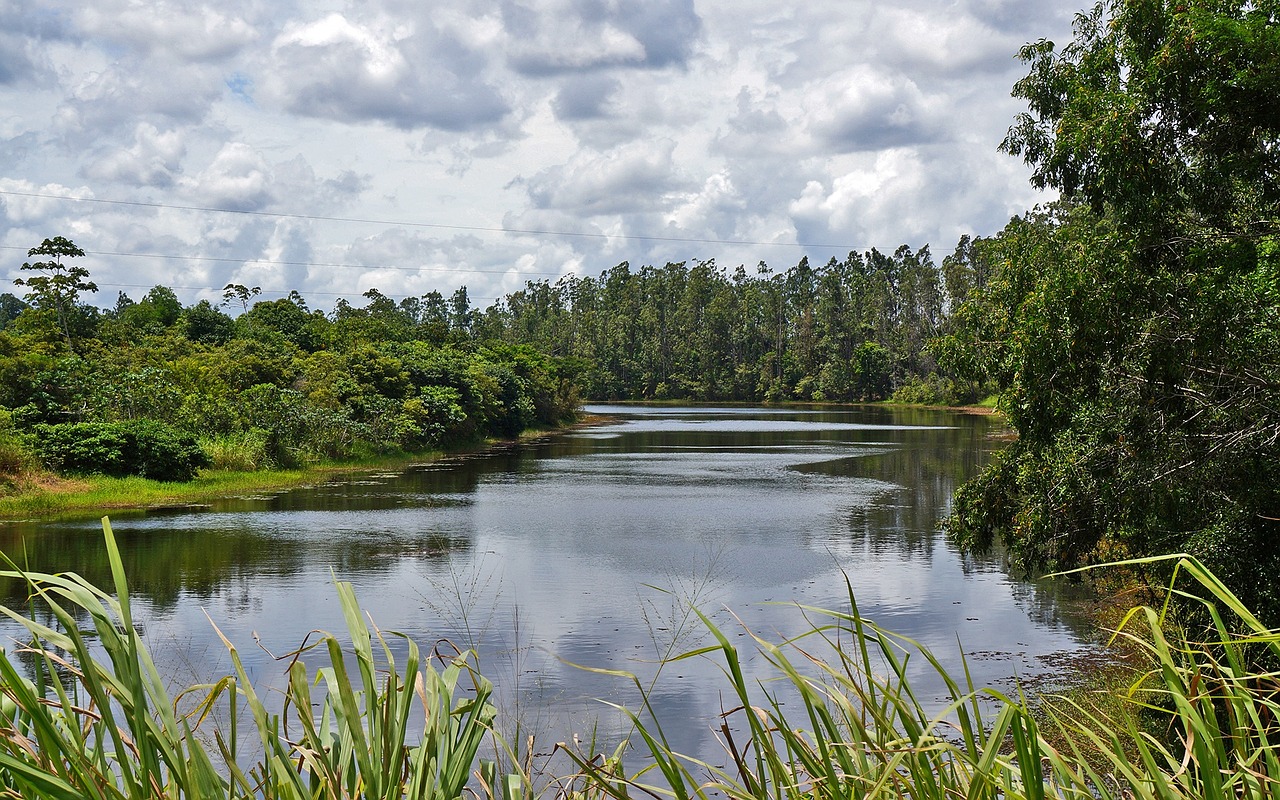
10, 308
58, 289
239, 293
207, 325
1135, 326
289, 318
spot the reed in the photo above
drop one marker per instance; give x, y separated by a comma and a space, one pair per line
843, 720
95, 719
84, 713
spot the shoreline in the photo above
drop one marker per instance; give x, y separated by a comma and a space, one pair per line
84, 497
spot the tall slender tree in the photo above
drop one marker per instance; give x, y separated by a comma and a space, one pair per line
58, 288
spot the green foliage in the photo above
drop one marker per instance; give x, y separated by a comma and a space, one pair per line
937, 390
140, 447
1134, 327
16, 455
58, 289
111, 730
10, 308
205, 324
433, 417
287, 317
1160, 110
242, 451
837, 713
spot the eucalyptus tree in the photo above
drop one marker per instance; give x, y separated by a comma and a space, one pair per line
1136, 324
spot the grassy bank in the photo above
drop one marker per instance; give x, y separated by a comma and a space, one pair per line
52, 496
38, 494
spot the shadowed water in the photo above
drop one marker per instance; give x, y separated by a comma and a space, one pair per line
587, 548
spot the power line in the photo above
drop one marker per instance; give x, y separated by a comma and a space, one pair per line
270, 262
435, 225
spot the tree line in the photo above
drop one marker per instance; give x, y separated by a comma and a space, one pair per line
850, 330
265, 383
277, 385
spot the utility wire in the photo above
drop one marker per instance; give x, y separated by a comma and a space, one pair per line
436, 225
269, 262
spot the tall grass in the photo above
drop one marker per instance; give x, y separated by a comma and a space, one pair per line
84, 714
842, 719
95, 719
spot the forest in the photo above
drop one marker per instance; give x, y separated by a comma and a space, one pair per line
269, 383
1130, 329
156, 389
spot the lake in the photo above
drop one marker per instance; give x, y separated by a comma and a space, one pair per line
588, 548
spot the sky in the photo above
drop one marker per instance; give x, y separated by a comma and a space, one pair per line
411, 146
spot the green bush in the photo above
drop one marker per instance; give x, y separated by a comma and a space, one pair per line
139, 447
15, 452
242, 451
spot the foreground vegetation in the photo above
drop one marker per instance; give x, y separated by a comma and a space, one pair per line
85, 713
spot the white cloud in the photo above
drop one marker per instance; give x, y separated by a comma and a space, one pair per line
866, 108
852, 121
26, 202
237, 179
154, 159
181, 30
556, 36
381, 70
114, 98
635, 178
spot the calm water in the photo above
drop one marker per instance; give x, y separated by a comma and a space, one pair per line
588, 548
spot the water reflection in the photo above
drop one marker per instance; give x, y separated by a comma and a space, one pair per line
589, 548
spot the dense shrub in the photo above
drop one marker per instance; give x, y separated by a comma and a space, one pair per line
15, 449
139, 447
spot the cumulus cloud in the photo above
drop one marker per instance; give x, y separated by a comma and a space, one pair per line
863, 203
17, 63
237, 179
635, 178
181, 30
572, 35
394, 72
154, 159
118, 95
585, 97
758, 127
26, 202
717, 209
865, 108
943, 43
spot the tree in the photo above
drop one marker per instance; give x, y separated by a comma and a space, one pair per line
207, 325
1163, 111
239, 293
58, 289
10, 308
1135, 326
